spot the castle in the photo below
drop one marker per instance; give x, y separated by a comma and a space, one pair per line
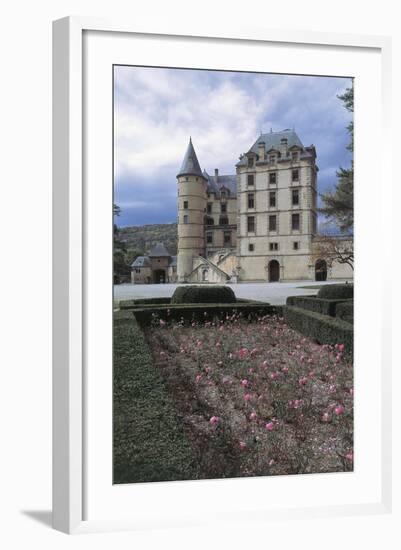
259, 224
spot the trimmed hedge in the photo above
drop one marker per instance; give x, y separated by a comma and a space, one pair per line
196, 312
203, 295
129, 304
345, 311
323, 329
336, 292
149, 303
148, 440
313, 303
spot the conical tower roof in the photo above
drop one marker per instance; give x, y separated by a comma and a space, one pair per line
190, 165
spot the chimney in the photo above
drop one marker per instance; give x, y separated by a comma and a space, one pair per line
216, 173
284, 146
261, 150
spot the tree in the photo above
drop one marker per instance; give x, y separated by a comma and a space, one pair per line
332, 249
121, 269
339, 204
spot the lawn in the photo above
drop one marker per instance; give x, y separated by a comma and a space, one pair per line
256, 397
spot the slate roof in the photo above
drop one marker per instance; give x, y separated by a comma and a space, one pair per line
190, 165
228, 181
141, 261
158, 251
272, 140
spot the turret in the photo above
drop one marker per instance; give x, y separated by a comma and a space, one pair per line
192, 186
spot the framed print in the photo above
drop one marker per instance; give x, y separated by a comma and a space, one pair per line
216, 202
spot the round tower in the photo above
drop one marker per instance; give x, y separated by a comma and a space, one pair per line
192, 186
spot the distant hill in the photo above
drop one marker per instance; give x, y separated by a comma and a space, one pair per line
140, 239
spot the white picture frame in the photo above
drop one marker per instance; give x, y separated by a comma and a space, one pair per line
70, 261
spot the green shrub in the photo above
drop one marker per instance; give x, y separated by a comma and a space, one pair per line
322, 328
129, 304
149, 443
336, 292
345, 311
201, 312
313, 303
203, 295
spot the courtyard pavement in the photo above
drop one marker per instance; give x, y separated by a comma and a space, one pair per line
274, 293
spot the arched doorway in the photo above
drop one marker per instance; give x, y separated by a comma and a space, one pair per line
320, 270
274, 271
159, 276
205, 274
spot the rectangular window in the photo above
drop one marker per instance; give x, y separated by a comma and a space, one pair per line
272, 159
185, 218
272, 178
251, 179
185, 204
273, 246
295, 222
251, 224
223, 220
251, 200
272, 223
295, 245
294, 156
209, 207
227, 237
295, 197
209, 238
251, 247
295, 175
272, 199
250, 161
223, 207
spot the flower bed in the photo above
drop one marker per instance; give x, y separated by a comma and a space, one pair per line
257, 398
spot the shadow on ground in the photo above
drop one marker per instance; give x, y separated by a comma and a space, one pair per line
41, 516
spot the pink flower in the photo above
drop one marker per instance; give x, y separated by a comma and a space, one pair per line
254, 352
218, 345
253, 416
340, 347
325, 417
162, 354
198, 378
242, 445
271, 462
244, 383
303, 381
251, 370
339, 410
214, 420
221, 328
247, 397
285, 369
243, 352
269, 426
275, 375
199, 343
162, 323
350, 456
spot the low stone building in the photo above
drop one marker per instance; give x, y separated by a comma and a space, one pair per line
159, 266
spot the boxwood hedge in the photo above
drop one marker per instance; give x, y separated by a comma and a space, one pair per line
129, 304
148, 441
195, 294
345, 311
313, 303
336, 292
322, 328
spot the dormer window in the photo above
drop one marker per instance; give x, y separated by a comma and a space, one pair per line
250, 161
223, 195
272, 159
295, 156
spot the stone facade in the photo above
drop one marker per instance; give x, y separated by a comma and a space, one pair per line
259, 224
157, 267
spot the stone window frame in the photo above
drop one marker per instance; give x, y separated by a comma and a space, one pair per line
254, 224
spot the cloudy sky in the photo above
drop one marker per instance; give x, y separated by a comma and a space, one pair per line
156, 110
